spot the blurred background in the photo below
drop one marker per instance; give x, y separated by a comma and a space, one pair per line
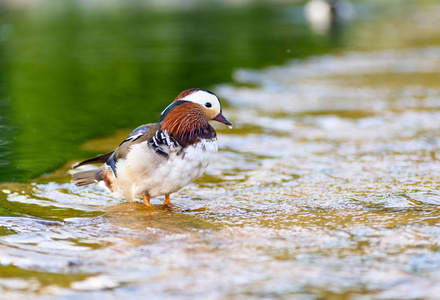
75, 70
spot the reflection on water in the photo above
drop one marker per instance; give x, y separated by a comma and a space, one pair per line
74, 72
327, 188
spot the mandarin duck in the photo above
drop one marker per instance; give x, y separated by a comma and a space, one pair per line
161, 158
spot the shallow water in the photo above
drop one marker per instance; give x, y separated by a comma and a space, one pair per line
326, 188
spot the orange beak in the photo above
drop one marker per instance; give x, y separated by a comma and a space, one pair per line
221, 118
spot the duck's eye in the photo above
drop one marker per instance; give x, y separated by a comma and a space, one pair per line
208, 104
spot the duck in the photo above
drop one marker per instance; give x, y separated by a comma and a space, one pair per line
159, 159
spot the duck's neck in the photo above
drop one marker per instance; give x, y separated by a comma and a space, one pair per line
187, 124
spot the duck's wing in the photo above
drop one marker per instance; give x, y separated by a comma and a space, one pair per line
139, 135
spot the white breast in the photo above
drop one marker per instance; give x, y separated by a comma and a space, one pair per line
143, 171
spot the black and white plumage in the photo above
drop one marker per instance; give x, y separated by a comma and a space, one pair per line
162, 142
161, 158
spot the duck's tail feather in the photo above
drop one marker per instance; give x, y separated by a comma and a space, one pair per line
86, 177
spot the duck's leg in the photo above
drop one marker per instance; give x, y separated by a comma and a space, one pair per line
147, 200
167, 199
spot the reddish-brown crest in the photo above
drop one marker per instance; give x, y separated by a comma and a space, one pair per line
185, 93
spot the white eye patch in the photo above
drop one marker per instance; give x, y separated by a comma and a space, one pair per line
204, 98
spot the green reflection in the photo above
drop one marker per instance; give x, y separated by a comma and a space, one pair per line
76, 72
43, 278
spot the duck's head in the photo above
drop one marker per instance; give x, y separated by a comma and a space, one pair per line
195, 105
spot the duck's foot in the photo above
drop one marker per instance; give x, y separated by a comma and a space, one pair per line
167, 200
167, 204
171, 208
147, 201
